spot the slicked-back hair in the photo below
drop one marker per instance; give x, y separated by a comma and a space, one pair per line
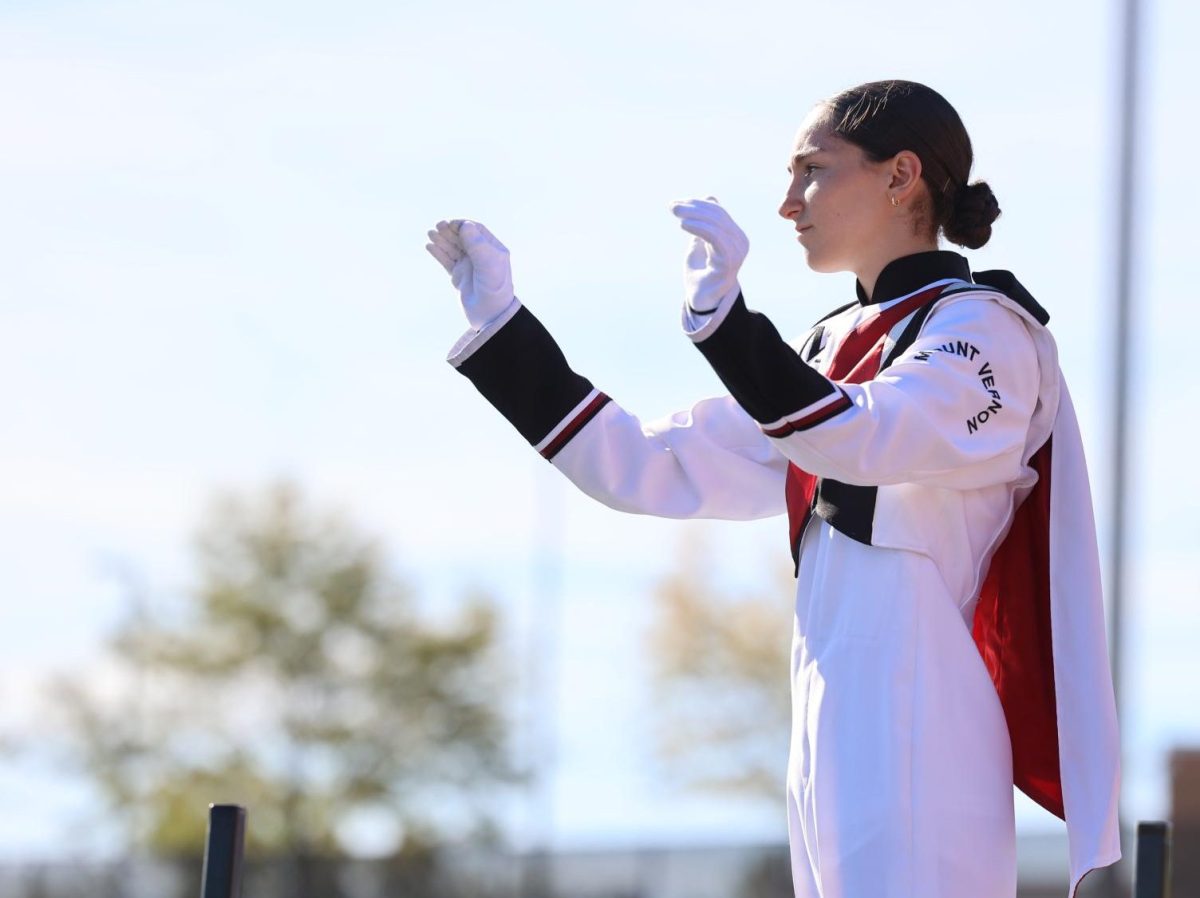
886, 117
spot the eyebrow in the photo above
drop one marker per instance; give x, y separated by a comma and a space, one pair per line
803, 154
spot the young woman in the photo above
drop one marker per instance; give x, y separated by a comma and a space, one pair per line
948, 634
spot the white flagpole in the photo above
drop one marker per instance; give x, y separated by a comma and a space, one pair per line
1123, 336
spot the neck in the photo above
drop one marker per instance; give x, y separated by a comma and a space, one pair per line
868, 272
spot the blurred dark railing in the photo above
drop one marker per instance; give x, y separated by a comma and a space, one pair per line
730, 871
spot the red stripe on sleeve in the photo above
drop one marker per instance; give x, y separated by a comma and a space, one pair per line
588, 412
811, 420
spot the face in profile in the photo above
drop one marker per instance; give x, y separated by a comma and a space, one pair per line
838, 199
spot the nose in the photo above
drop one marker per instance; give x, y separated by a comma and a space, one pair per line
792, 205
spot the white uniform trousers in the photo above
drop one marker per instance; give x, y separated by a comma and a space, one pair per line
900, 771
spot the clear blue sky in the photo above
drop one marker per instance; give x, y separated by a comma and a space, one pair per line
213, 274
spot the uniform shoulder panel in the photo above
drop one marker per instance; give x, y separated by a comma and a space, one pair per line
1005, 282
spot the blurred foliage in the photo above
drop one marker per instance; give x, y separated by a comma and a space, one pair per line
298, 679
721, 673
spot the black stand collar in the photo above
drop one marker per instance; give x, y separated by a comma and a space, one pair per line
910, 273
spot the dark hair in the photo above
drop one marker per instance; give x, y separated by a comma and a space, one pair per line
885, 117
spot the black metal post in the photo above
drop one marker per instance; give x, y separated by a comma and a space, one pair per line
1153, 877
222, 876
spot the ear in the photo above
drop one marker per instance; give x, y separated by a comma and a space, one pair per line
905, 174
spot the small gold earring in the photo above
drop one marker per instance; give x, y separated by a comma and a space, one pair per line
895, 202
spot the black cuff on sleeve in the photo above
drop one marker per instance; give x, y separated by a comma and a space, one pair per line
522, 372
762, 372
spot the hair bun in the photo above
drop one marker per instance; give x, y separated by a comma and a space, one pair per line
975, 209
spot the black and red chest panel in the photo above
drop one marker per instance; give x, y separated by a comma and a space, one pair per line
859, 355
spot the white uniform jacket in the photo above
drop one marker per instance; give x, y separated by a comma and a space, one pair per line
909, 437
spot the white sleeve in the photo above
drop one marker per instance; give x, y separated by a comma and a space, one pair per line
711, 461
953, 410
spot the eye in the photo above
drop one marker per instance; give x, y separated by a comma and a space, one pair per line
810, 168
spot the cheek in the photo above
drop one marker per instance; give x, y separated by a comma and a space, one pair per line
844, 215
869, 196
830, 197
857, 206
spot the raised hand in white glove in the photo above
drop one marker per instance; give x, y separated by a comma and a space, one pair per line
478, 266
717, 251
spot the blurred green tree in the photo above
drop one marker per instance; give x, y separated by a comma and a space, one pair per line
299, 679
721, 676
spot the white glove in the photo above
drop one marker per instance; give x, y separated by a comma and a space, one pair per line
718, 249
478, 266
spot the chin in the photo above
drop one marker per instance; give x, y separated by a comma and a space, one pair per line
822, 264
